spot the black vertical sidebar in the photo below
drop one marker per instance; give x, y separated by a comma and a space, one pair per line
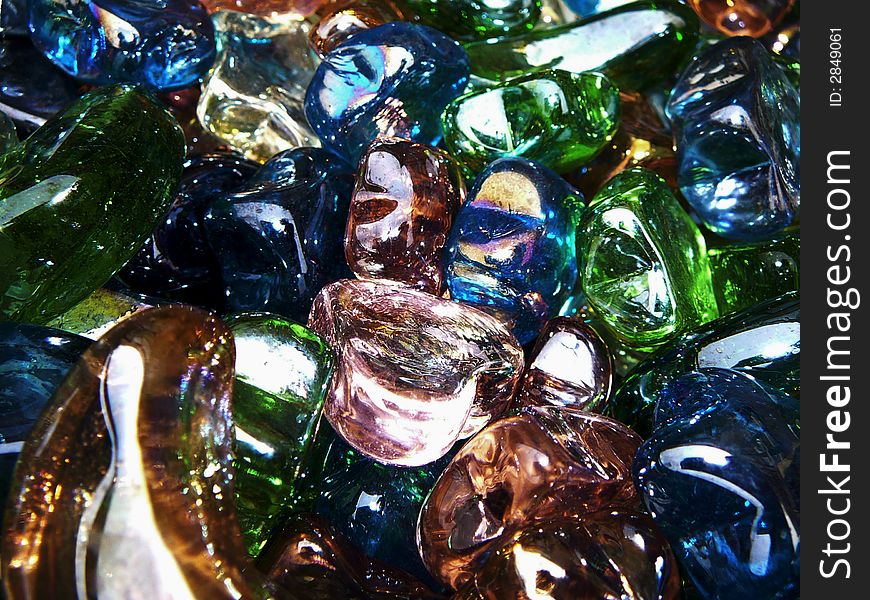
835, 297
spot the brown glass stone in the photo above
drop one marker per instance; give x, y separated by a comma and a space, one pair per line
340, 20
742, 17
608, 554
642, 140
544, 462
307, 554
403, 205
570, 366
297, 9
124, 488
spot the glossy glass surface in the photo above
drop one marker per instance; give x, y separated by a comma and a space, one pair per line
277, 9
341, 19
69, 199
176, 262
282, 374
308, 554
645, 267
544, 462
762, 341
636, 45
280, 239
253, 96
404, 203
33, 362
126, 483
737, 126
556, 118
469, 19
746, 274
608, 554
31, 88
163, 45
393, 80
725, 442
376, 506
742, 17
414, 372
569, 366
512, 249
587, 8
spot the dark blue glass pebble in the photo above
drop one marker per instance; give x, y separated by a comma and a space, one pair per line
392, 80
163, 44
280, 239
736, 121
33, 362
176, 262
13, 17
512, 247
720, 476
31, 88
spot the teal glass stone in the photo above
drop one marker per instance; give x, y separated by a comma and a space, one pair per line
376, 506
33, 362
512, 249
644, 262
762, 341
559, 119
282, 373
80, 196
636, 45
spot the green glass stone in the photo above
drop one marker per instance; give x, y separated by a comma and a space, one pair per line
80, 195
644, 261
470, 19
559, 119
636, 45
100, 311
282, 372
749, 273
8, 137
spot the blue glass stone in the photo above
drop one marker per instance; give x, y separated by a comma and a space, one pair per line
512, 246
720, 476
736, 121
33, 362
376, 506
13, 17
176, 262
280, 239
163, 44
763, 341
587, 8
393, 80
31, 88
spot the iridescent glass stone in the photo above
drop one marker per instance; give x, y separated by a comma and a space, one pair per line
163, 45
512, 249
392, 81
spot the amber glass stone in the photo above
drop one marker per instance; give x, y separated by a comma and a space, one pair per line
295, 9
544, 462
340, 20
403, 205
742, 17
125, 485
